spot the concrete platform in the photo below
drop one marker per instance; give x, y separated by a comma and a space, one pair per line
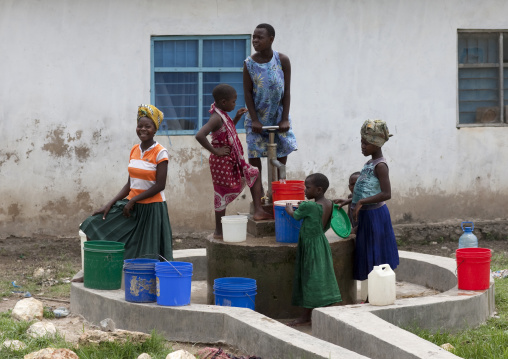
352, 331
272, 265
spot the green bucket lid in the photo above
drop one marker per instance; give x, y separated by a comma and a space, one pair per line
340, 222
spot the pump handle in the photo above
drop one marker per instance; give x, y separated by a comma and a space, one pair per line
270, 128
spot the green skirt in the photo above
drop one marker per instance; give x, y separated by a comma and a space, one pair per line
146, 233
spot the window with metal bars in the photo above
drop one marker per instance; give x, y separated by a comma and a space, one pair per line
482, 78
185, 69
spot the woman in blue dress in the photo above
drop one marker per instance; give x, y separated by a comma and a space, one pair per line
266, 83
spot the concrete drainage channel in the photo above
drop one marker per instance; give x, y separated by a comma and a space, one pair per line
352, 331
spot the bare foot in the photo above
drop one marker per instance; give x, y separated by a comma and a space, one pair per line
261, 215
299, 322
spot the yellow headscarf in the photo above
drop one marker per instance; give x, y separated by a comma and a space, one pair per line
152, 112
375, 132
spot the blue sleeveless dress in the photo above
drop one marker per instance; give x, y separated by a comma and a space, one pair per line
267, 93
375, 240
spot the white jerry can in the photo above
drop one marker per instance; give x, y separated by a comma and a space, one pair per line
382, 285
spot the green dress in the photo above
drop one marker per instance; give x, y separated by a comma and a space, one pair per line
314, 282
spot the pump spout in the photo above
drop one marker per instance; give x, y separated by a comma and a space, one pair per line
280, 166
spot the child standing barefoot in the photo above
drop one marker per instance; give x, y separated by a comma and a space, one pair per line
375, 241
230, 171
314, 282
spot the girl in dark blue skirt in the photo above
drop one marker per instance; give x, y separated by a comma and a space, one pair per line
375, 241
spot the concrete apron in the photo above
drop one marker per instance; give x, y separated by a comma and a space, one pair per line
272, 265
352, 331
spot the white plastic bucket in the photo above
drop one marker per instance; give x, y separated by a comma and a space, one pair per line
234, 228
82, 236
382, 285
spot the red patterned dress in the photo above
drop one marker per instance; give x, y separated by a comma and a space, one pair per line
230, 173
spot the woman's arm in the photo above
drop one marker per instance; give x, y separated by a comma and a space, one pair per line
213, 124
160, 185
257, 127
124, 192
342, 202
286, 100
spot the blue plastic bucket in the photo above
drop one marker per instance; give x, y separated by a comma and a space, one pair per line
139, 280
235, 292
173, 283
287, 229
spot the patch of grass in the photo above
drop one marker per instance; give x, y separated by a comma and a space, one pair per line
498, 261
11, 329
156, 346
48, 313
5, 288
487, 341
59, 290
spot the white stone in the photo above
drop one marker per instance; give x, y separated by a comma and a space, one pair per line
14, 344
144, 356
28, 309
39, 273
108, 325
41, 329
52, 353
180, 354
447, 346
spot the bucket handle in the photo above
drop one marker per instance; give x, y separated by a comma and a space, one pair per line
165, 260
171, 265
456, 269
286, 217
250, 298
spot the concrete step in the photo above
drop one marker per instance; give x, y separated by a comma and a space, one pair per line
260, 228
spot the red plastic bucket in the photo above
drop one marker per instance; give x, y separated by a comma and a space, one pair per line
473, 268
289, 190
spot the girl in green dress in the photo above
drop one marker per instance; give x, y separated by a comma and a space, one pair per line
314, 282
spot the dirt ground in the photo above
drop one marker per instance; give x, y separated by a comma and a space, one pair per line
19, 257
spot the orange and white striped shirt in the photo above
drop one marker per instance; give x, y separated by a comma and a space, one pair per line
143, 171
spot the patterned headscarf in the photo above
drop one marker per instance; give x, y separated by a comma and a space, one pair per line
375, 132
152, 112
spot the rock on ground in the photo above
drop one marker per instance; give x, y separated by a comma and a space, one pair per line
42, 329
121, 336
52, 353
14, 345
144, 356
28, 309
108, 325
447, 346
180, 354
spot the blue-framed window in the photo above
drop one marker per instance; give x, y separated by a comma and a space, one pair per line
482, 78
184, 71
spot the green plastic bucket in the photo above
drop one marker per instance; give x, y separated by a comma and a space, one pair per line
103, 264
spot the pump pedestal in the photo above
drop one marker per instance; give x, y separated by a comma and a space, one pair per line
271, 264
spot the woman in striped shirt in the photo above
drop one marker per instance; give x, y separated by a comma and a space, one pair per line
138, 215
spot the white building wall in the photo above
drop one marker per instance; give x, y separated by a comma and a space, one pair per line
73, 74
